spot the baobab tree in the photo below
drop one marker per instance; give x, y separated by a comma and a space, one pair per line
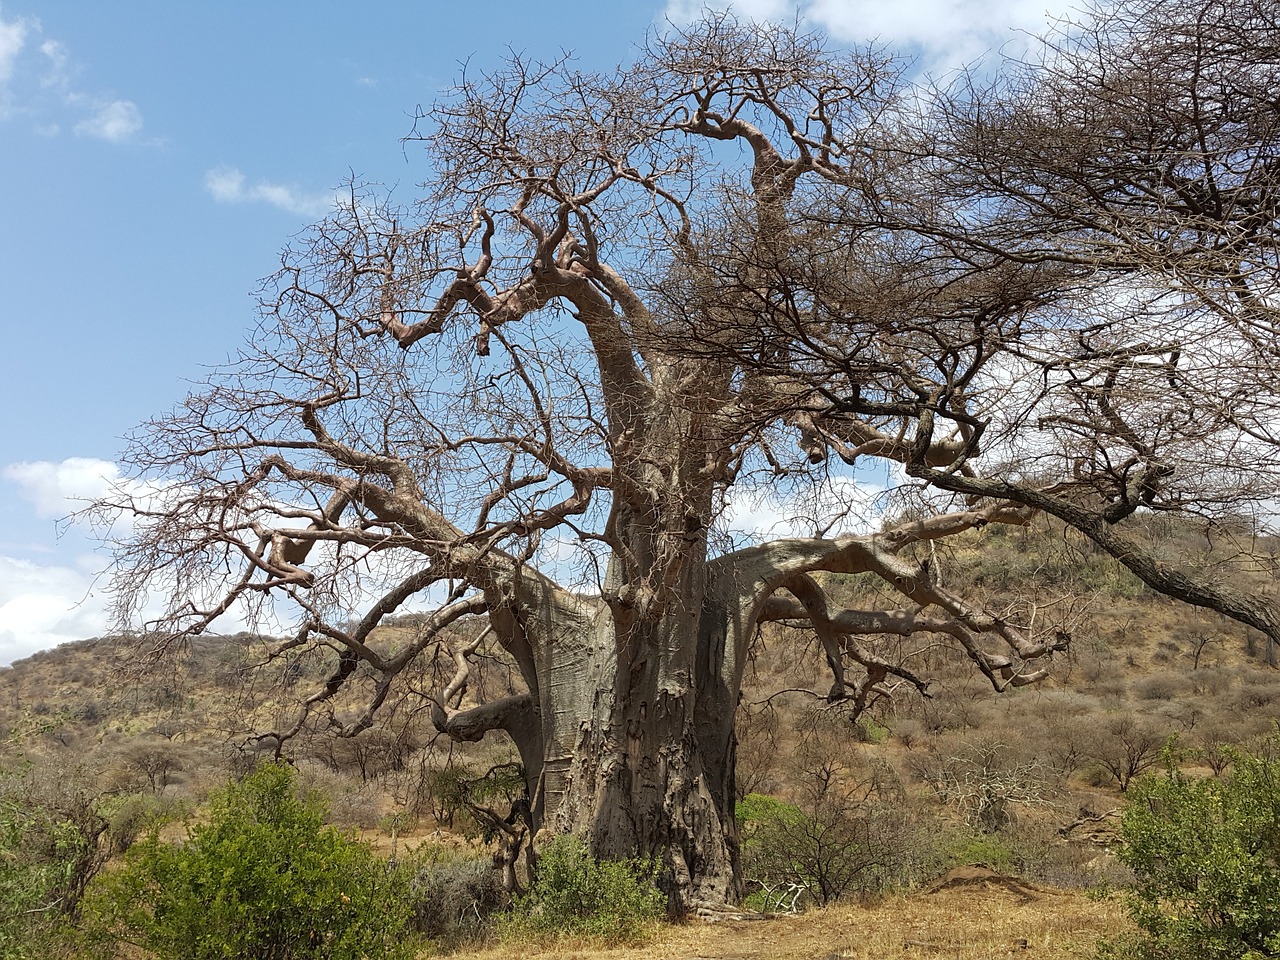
1142, 150
529, 402
1120, 192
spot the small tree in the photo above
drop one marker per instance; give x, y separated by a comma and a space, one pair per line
987, 785
1128, 749
262, 878
847, 833
1206, 853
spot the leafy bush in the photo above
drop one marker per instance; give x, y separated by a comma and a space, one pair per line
774, 882
49, 851
37, 857
1206, 853
963, 848
261, 878
613, 900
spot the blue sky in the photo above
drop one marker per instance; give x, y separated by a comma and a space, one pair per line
157, 155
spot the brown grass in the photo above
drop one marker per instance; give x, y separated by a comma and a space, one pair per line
965, 924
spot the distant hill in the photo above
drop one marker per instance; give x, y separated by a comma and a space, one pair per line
1140, 669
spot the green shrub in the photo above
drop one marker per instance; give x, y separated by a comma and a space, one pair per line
963, 848
130, 815
868, 730
774, 882
1206, 853
49, 851
37, 856
261, 877
575, 894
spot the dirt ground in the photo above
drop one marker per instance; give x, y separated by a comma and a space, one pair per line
976, 918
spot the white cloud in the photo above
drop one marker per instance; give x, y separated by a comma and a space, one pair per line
55, 594
13, 36
834, 507
229, 185
42, 606
58, 489
38, 81
951, 33
114, 122
946, 33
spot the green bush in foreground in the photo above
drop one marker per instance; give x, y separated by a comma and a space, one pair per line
37, 855
1206, 854
49, 851
575, 894
262, 878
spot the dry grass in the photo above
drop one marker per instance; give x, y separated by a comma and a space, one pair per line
966, 924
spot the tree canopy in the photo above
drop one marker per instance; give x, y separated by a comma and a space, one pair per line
532, 399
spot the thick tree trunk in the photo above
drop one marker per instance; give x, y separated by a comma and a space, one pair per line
627, 733
637, 716
638, 744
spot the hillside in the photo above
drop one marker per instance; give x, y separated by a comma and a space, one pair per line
1132, 653
1026, 781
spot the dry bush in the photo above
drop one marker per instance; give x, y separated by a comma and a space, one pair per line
757, 731
851, 830
947, 711
146, 764
1065, 743
1127, 747
1210, 681
352, 805
909, 732
1113, 691
984, 779
1164, 685
1259, 690
454, 894
1214, 750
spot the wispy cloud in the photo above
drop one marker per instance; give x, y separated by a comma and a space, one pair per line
13, 37
116, 122
57, 61
229, 185
686, 11
38, 80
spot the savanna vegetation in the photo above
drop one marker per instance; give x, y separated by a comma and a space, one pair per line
998, 355
864, 816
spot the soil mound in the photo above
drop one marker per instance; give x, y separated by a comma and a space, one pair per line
983, 878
